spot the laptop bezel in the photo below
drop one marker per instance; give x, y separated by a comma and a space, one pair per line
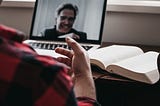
87, 41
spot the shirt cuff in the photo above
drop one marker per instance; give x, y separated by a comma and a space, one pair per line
86, 100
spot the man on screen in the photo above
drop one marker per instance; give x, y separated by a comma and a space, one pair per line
65, 18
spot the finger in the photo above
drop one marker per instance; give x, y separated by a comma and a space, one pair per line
64, 60
70, 72
64, 51
77, 48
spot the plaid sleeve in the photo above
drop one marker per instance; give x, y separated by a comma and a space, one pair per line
28, 79
11, 34
85, 101
34, 81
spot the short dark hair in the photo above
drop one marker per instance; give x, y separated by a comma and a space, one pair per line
67, 6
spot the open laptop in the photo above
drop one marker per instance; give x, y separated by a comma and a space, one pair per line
90, 19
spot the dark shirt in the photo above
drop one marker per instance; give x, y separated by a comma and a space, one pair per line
29, 79
52, 34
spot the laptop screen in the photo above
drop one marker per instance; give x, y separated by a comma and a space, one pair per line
55, 19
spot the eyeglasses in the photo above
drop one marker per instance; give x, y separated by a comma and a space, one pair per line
71, 19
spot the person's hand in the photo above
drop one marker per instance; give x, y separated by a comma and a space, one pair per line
78, 60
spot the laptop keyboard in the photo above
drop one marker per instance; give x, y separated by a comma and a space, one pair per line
52, 46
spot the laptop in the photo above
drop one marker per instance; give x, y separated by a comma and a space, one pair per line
90, 19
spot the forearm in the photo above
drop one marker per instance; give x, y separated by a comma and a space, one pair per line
84, 86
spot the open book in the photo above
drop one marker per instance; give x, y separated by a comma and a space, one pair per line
127, 61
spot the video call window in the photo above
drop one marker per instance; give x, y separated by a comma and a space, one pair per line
89, 19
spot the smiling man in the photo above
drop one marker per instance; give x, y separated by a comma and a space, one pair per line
65, 18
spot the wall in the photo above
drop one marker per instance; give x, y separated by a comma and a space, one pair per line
132, 28
19, 18
120, 27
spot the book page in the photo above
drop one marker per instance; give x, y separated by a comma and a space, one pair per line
140, 64
141, 67
112, 54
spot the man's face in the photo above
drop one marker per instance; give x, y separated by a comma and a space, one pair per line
65, 20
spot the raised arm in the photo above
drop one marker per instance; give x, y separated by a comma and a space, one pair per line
79, 62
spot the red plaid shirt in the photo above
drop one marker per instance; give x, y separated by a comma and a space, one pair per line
28, 79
